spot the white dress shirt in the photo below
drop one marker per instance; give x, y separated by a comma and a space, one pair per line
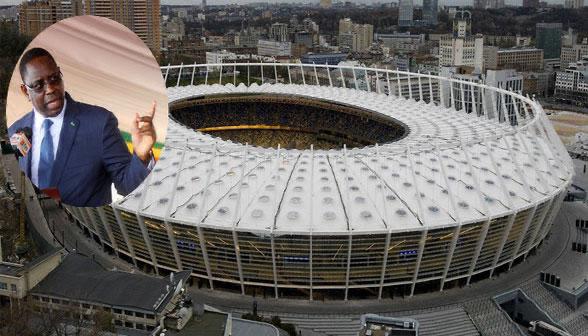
39, 134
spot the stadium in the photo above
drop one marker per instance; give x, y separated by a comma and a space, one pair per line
339, 182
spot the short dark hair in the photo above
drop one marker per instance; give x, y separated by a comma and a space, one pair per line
30, 55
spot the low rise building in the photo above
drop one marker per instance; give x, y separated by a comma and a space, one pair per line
402, 42
17, 279
274, 48
571, 85
323, 58
80, 288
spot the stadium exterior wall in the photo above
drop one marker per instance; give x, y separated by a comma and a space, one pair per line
375, 260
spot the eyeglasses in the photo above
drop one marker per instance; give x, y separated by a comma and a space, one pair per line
40, 85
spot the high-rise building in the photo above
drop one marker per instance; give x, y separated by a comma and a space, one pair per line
531, 3
405, 13
574, 4
462, 48
279, 32
140, 16
430, 8
548, 38
357, 37
203, 5
34, 16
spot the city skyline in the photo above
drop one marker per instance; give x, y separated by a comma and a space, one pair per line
227, 2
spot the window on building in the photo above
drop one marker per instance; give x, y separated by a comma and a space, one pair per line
117, 311
140, 326
85, 305
13, 287
3, 286
118, 323
150, 316
129, 325
128, 312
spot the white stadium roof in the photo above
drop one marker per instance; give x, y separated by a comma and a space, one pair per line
452, 168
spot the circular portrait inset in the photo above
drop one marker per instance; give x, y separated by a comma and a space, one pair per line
87, 111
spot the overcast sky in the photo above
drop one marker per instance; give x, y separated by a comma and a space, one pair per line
224, 2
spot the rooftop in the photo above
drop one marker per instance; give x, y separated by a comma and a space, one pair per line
464, 167
80, 278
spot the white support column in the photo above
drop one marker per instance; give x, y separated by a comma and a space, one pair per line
522, 236
315, 74
502, 242
201, 238
248, 76
539, 224
398, 83
478, 249
108, 229
367, 81
384, 263
442, 93
311, 218
289, 74
457, 229
409, 85
420, 86
168, 227
431, 95
302, 72
166, 73
330, 79
377, 83
474, 107
452, 95
179, 75
238, 215
147, 240
275, 272
220, 75
557, 206
354, 78
419, 258
342, 77
463, 98
234, 75
262, 79
349, 245
206, 76
276, 73
123, 230
193, 72
389, 93
482, 238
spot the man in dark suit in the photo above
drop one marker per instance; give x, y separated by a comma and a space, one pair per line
77, 148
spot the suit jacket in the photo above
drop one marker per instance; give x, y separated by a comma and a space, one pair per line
91, 155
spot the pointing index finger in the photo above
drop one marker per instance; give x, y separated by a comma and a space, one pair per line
153, 106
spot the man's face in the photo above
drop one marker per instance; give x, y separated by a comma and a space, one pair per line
43, 86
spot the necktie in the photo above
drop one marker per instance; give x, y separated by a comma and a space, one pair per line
46, 160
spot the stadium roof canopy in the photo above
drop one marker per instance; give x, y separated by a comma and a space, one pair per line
452, 168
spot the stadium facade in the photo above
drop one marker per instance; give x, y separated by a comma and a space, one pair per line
471, 187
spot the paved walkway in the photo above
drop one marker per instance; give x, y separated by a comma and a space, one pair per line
76, 240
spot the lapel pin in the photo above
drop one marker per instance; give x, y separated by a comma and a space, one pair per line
72, 123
